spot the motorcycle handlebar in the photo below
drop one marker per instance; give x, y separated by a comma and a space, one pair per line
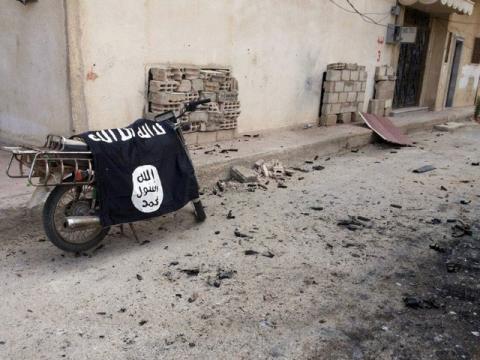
192, 105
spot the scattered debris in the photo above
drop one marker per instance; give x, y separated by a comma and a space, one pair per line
318, 167
435, 221
461, 229
416, 303
250, 252
221, 185
191, 272
465, 202
193, 297
449, 126
139, 277
238, 233
316, 208
396, 206
142, 322
475, 164
243, 174
437, 248
352, 223
424, 169
443, 188
230, 216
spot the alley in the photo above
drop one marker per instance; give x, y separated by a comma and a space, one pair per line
288, 275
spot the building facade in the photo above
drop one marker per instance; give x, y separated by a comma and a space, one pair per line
68, 65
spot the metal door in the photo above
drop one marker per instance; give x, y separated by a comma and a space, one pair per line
411, 62
457, 55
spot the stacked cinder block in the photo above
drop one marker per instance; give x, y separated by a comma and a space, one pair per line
343, 93
171, 86
381, 104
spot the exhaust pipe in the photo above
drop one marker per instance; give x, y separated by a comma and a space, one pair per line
81, 222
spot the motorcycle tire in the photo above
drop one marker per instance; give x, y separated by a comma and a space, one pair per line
51, 229
199, 211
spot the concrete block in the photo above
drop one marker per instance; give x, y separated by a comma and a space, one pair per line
388, 111
211, 85
384, 89
361, 67
357, 86
352, 97
335, 109
160, 74
346, 75
326, 109
334, 75
360, 96
199, 116
330, 98
164, 98
342, 97
209, 95
392, 77
354, 75
328, 120
197, 85
167, 86
348, 107
336, 66
227, 96
351, 66
185, 86
380, 71
364, 86
390, 71
244, 174
329, 86
339, 86
362, 75
349, 85
377, 107
356, 116
388, 103
360, 106
345, 118
449, 126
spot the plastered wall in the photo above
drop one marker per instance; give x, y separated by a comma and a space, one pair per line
278, 51
34, 97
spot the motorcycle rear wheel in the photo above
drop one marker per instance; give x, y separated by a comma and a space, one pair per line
66, 201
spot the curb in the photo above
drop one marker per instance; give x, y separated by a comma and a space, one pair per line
333, 144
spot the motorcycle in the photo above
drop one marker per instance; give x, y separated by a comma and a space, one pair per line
70, 212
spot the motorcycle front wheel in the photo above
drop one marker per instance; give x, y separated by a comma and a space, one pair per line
65, 201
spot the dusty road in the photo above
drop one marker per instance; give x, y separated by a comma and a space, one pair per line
315, 290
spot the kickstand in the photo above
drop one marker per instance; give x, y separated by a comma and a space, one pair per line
133, 231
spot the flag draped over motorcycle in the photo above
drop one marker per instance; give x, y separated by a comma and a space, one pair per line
141, 171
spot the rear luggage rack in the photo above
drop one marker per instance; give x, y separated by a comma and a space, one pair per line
51, 164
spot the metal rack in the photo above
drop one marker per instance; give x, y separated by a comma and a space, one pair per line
52, 164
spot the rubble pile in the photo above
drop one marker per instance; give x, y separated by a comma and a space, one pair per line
170, 87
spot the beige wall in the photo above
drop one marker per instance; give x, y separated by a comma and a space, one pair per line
278, 50
34, 98
467, 82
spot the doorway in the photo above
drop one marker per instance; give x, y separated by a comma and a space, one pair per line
411, 61
457, 56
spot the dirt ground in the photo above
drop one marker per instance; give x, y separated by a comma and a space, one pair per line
314, 290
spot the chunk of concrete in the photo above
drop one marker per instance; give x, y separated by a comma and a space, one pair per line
244, 174
449, 126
